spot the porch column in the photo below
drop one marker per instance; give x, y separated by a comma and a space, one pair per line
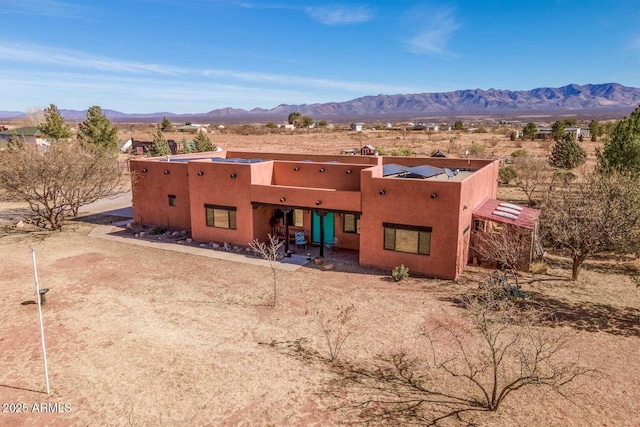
321, 215
286, 211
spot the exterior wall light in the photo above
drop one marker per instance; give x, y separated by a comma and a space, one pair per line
348, 171
233, 175
321, 170
282, 199
296, 169
318, 202
145, 170
434, 195
166, 172
382, 192
200, 173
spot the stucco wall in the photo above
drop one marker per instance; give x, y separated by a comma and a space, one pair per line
150, 191
216, 186
409, 202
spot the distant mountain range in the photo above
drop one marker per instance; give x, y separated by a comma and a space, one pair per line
594, 99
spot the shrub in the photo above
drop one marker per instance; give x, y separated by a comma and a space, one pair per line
380, 150
158, 229
400, 272
402, 152
520, 153
476, 149
538, 268
507, 174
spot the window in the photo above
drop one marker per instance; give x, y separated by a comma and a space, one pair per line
407, 238
298, 218
221, 216
351, 223
172, 200
478, 225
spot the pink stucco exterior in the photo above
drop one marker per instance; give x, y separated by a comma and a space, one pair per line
346, 186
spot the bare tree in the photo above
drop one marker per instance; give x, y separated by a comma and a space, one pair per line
508, 246
599, 213
34, 117
57, 181
336, 329
270, 252
533, 172
471, 365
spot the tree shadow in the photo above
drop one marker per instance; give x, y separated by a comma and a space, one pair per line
589, 316
606, 263
15, 214
22, 388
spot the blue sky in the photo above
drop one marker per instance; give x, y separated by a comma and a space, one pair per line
181, 56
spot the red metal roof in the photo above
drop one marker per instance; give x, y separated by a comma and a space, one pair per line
507, 213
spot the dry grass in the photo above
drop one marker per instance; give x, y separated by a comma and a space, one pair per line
140, 336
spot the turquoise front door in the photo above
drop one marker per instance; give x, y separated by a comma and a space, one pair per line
328, 228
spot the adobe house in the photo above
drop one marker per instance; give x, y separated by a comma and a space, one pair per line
416, 211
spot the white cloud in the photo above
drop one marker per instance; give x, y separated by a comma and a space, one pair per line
52, 8
340, 15
434, 37
65, 57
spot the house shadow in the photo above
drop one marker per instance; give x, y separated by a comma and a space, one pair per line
107, 217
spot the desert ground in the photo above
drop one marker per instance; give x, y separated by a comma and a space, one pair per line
140, 336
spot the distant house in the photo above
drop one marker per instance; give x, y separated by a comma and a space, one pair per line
356, 126
439, 153
142, 147
30, 135
287, 126
192, 128
368, 150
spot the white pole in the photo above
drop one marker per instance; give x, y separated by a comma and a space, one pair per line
44, 349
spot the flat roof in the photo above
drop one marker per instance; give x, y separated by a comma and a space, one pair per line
394, 170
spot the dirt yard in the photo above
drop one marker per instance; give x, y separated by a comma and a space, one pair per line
140, 336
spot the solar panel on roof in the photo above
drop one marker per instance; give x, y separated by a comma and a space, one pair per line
392, 169
235, 160
425, 171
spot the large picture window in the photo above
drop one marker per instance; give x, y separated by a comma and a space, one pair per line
221, 216
351, 223
407, 238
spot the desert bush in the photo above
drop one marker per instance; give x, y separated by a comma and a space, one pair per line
380, 150
400, 272
158, 229
476, 150
507, 174
538, 268
402, 152
493, 141
522, 152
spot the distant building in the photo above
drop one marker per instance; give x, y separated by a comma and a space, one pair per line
29, 135
368, 150
356, 126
